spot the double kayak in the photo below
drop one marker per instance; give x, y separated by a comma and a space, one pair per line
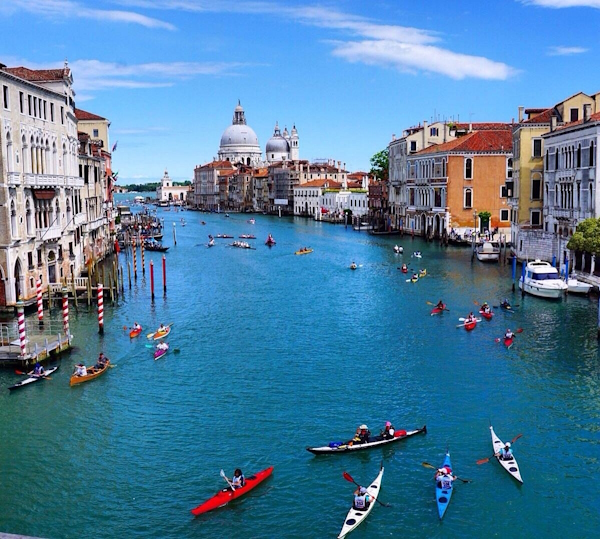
32, 379
438, 310
443, 495
510, 465
223, 497
374, 441
355, 517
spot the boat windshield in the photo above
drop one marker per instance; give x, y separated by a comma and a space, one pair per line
544, 276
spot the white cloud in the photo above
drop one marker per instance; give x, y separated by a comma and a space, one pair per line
59, 9
404, 48
557, 4
565, 51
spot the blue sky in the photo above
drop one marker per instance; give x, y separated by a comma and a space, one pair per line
168, 73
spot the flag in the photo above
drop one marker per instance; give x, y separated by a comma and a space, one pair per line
114, 146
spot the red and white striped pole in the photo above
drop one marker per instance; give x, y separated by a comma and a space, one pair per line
21, 324
100, 309
143, 259
65, 312
40, 302
134, 260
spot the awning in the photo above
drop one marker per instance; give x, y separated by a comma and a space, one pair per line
44, 194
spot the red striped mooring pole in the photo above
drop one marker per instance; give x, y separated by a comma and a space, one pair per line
100, 309
40, 302
143, 259
134, 261
21, 324
65, 312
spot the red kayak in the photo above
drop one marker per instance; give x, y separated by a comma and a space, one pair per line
508, 342
404, 270
470, 325
437, 310
223, 497
488, 315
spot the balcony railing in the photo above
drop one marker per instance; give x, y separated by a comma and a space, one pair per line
14, 178
53, 232
79, 219
51, 180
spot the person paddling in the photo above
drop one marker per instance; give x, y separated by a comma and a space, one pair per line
362, 499
509, 334
238, 480
485, 307
440, 305
444, 478
505, 452
470, 318
361, 436
38, 370
388, 431
505, 304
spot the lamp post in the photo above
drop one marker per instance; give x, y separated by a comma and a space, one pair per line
474, 233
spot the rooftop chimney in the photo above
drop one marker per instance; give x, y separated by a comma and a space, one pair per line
552, 123
587, 112
424, 145
521, 109
393, 136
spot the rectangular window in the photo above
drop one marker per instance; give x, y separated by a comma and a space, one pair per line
45, 113
574, 114
5, 96
536, 189
30, 259
62, 115
503, 191
433, 132
413, 145
35, 106
95, 135
39, 257
29, 104
537, 147
536, 217
22, 102
504, 214
51, 112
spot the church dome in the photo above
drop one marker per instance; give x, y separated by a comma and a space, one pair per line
277, 144
239, 135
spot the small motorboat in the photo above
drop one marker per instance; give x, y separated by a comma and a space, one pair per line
247, 236
488, 252
578, 287
270, 241
398, 250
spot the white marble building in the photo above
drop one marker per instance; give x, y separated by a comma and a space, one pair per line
239, 143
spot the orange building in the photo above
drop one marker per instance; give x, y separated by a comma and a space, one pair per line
448, 182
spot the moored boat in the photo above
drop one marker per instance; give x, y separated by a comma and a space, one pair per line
443, 495
374, 441
33, 379
488, 252
355, 517
223, 497
509, 465
578, 287
92, 372
542, 279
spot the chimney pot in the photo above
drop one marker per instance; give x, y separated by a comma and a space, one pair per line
587, 112
521, 110
553, 123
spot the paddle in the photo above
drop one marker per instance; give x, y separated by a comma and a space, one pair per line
483, 461
427, 465
31, 374
474, 320
348, 477
222, 474
498, 339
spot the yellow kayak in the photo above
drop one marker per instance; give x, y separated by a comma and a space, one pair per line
303, 251
422, 273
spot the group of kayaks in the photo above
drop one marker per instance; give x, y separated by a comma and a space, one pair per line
162, 332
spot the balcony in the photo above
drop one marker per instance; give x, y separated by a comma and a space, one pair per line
50, 180
561, 213
13, 178
51, 233
79, 219
90, 226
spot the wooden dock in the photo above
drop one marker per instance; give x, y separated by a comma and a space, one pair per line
42, 343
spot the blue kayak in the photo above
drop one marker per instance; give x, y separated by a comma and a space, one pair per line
443, 495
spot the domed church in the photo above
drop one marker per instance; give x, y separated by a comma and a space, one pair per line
283, 147
239, 143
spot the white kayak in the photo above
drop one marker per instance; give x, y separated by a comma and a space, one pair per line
33, 379
355, 517
510, 465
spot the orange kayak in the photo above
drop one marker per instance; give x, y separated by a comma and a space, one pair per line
134, 333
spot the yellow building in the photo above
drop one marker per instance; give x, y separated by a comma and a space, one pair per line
526, 187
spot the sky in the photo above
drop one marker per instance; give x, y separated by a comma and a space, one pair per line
349, 74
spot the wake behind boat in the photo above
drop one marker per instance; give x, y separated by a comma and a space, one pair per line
374, 441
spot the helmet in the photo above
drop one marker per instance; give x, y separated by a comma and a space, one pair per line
363, 490
388, 424
508, 330
363, 427
507, 444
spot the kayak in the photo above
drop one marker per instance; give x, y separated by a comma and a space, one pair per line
443, 496
157, 335
374, 441
33, 379
414, 279
159, 352
437, 310
353, 266
506, 307
422, 273
511, 465
508, 342
404, 270
355, 517
487, 316
469, 326
134, 333
223, 497
303, 252
92, 373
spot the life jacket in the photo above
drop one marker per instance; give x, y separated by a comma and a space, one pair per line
360, 502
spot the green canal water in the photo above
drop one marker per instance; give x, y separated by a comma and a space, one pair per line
278, 352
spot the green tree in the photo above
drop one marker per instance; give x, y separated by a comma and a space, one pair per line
586, 237
380, 165
485, 219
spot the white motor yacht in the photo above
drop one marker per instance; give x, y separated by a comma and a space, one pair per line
542, 280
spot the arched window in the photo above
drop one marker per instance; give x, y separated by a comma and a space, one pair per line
592, 153
9, 163
24, 151
33, 156
248, 161
54, 167
28, 218
69, 216
64, 159
468, 198
591, 198
468, 168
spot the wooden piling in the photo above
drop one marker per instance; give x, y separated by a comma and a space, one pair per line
74, 289
129, 272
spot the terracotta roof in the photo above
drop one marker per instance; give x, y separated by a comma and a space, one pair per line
261, 173
354, 185
85, 115
483, 126
477, 141
217, 164
38, 75
593, 118
534, 111
542, 118
314, 183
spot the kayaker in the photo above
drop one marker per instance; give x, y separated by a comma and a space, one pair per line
238, 480
485, 307
136, 326
509, 334
162, 346
505, 304
80, 370
102, 361
415, 277
162, 328
361, 498
362, 435
505, 453
404, 267
470, 318
38, 369
440, 305
444, 479
388, 432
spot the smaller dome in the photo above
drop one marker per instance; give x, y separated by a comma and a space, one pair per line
277, 144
